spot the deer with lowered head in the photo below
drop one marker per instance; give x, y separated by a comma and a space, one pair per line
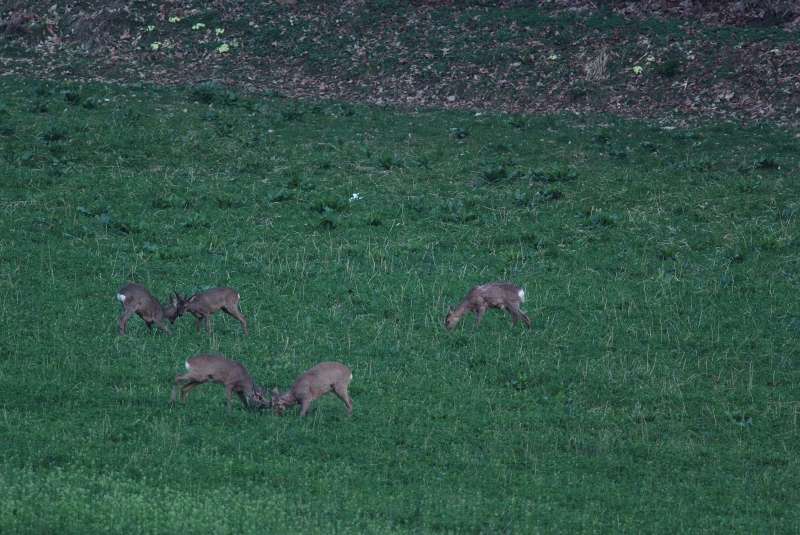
204, 304
215, 368
314, 383
136, 299
502, 295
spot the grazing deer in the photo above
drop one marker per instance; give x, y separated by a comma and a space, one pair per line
204, 304
216, 368
502, 295
314, 383
135, 298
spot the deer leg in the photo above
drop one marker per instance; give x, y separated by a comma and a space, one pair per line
207, 321
188, 388
123, 320
341, 392
236, 313
514, 317
479, 316
180, 380
518, 314
185, 388
228, 394
305, 404
163, 326
244, 399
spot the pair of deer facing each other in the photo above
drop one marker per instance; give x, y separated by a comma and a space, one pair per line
323, 378
136, 299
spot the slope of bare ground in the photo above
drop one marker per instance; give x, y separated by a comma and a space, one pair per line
672, 60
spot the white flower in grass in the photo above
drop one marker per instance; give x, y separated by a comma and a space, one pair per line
221, 49
173, 20
637, 69
155, 46
150, 28
355, 197
198, 26
219, 31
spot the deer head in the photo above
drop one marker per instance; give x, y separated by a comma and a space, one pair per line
277, 402
258, 398
451, 319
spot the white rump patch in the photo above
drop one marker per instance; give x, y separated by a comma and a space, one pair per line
121, 298
187, 365
522, 295
351, 376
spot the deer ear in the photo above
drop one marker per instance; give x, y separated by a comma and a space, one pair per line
275, 392
192, 298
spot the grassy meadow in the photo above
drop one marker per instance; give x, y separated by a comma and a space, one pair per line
657, 390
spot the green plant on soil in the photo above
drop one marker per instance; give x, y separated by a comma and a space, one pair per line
656, 391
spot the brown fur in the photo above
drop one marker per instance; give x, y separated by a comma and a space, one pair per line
138, 300
314, 383
216, 368
502, 295
203, 305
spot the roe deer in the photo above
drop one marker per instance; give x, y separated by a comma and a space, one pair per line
502, 295
215, 368
135, 298
314, 383
204, 304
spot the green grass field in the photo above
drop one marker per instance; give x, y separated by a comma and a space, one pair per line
657, 390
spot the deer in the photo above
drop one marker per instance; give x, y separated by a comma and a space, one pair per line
479, 299
136, 299
313, 384
204, 304
215, 368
